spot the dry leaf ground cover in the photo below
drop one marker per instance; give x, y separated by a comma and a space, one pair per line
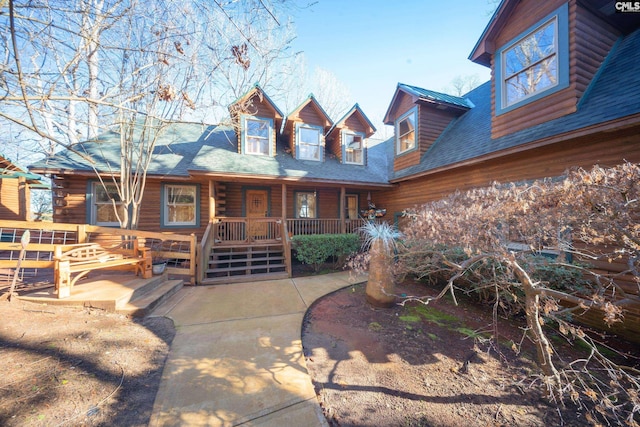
424, 365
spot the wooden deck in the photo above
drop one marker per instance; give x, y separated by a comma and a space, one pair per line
114, 291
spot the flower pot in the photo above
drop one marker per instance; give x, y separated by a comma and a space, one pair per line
158, 268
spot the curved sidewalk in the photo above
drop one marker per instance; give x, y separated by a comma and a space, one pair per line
237, 355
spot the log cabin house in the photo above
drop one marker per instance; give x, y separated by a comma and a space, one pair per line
234, 187
564, 92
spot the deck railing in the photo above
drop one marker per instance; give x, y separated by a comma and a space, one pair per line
178, 250
246, 230
242, 231
298, 226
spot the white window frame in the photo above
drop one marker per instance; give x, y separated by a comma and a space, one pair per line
413, 113
350, 151
253, 141
166, 220
95, 187
300, 143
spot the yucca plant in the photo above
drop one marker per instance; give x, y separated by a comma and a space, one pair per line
380, 240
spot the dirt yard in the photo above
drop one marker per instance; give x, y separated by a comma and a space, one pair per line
78, 367
405, 366
421, 366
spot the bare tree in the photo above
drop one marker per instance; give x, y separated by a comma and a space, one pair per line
73, 70
489, 241
461, 85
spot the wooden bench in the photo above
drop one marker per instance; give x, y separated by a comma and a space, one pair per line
82, 258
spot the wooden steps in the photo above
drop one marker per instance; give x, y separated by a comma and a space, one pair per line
112, 291
143, 300
238, 263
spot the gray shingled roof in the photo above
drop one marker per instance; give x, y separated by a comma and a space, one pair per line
614, 93
186, 148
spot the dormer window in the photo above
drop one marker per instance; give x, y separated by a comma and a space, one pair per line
406, 137
309, 142
535, 64
256, 135
531, 66
353, 148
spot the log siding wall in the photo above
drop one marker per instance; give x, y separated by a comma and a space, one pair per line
411, 158
590, 40
432, 123
14, 199
603, 149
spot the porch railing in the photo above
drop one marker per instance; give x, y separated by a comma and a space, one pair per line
298, 226
246, 230
242, 231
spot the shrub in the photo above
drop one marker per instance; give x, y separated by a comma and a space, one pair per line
315, 249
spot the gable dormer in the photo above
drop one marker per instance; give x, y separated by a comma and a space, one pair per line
419, 116
347, 138
305, 128
543, 56
256, 120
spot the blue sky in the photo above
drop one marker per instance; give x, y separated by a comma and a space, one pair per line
371, 45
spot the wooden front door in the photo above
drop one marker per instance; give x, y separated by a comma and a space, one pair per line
257, 206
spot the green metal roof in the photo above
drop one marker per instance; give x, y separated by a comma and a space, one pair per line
438, 97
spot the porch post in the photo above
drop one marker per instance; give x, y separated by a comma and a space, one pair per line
212, 199
343, 227
284, 202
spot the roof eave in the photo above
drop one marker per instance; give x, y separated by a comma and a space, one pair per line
484, 48
250, 177
399, 87
353, 110
447, 105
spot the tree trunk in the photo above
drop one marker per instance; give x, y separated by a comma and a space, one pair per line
380, 288
532, 310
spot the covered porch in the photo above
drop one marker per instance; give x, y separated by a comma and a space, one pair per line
251, 222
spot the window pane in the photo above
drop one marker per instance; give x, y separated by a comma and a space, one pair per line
259, 128
531, 65
102, 210
532, 49
306, 205
181, 194
309, 152
180, 204
106, 214
406, 125
257, 146
257, 136
352, 207
102, 196
182, 214
309, 136
353, 148
532, 80
406, 133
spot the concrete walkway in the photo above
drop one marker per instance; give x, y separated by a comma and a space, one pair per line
237, 355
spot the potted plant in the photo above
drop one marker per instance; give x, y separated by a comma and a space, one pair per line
380, 239
158, 265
